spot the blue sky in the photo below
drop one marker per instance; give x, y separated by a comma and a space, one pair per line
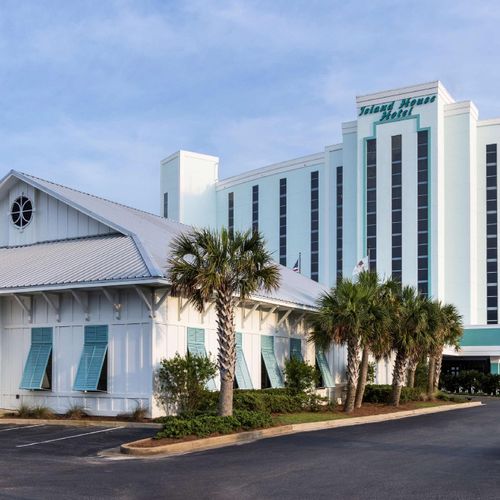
95, 93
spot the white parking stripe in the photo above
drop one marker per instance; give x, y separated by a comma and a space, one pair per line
69, 437
20, 427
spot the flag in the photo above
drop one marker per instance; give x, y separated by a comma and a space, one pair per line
362, 265
296, 267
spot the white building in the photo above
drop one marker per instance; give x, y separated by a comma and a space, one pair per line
86, 314
413, 185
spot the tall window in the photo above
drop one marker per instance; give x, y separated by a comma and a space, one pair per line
491, 235
396, 207
371, 202
255, 208
340, 230
315, 225
230, 213
423, 212
165, 204
283, 222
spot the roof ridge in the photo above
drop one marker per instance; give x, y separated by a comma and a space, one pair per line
76, 238
100, 198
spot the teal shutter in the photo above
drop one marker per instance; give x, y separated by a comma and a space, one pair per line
95, 347
324, 369
270, 362
296, 349
241, 372
38, 358
196, 346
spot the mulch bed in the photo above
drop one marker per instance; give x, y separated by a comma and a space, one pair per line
367, 409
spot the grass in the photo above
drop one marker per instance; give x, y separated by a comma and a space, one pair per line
305, 417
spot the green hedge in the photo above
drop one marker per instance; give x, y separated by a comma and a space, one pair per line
265, 400
206, 425
471, 382
383, 394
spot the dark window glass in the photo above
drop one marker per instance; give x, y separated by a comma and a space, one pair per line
255, 208
282, 222
339, 203
230, 213
165, 205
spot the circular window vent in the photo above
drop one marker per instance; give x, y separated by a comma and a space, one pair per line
21, 211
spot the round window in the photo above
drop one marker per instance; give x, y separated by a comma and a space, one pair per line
21, 211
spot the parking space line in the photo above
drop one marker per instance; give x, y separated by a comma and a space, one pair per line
69, 437
20, 427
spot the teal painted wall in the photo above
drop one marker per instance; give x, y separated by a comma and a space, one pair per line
481, 337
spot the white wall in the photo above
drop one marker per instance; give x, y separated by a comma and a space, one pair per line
189, 179
129, 354
52, 219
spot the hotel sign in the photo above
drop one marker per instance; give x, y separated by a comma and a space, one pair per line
395, 110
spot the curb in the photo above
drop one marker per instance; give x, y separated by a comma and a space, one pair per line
79, 423
249, 436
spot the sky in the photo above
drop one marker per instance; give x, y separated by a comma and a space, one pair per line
93, 94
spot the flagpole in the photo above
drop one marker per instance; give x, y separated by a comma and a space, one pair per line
300, 263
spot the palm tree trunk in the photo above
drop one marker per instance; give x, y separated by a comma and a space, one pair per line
360, 389
398, 377
438, 362
352, 373
412, 368
431, 374
224, 307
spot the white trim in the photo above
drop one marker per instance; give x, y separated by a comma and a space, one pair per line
275, 168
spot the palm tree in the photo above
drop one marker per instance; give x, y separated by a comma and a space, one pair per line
208, 265
449, 331
410, 335
375, 338
341, 319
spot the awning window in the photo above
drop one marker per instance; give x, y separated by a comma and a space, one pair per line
270, 362
242, 374
92, 370
37, 371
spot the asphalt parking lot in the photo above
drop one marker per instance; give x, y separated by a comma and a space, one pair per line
64, 441
450, 455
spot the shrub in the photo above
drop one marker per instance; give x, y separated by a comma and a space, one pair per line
472, 382
206, 425
181, 382
421, 376
370, 376
139, 414
265, 400
76, 412
38, 411
300, 377
383, 394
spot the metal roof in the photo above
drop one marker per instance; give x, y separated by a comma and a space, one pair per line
98, 258
141, 251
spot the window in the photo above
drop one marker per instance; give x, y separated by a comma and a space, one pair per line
371, 198
37, 374
21, 211
269, 364
491, 235
165, 205
283, 222
230, 213
92, 374
315, 225
242, 375
196, 346
423, 211
255, 208
324, 368
397, 212
340, 228
296, 349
